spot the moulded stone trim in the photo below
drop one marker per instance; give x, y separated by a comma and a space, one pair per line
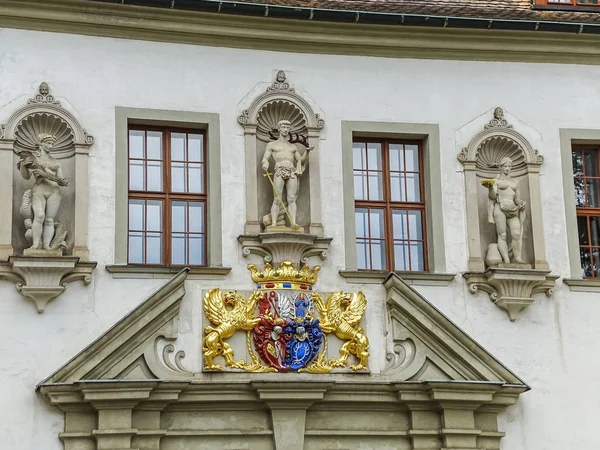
279, 247
225, 30
149, 271
412, 278
42, 279
583, 284
511, 289
431, 335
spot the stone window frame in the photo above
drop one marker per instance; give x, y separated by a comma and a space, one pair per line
429, 135
568, 137
210, 122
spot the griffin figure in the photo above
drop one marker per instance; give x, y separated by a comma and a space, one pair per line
230, 313
341, 315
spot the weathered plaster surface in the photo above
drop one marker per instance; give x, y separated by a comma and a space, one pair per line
552, 346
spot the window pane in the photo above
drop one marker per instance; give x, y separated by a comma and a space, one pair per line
196, 217
586, 262
596, 266
136, 215
178, 249
196, 147
360, 185
401, 256
196, 249
412, 158
595, 231
415, 227
136, 144
196, 175
178, 152
413, 187
153, 248
577, 164
399, 224
375, 186
362, 254
378, 255
592, 185
579, 192
361, 219
582, 226
154, 176
136, 248
377, 224
178, 175
360, 155
154, 149
179, 217
154, 215
396, 157
417, 260
374, 156
137, 175
397, 187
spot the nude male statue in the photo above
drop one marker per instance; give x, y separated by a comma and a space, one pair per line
288, 167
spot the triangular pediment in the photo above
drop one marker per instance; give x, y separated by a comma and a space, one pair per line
128, 349
428, 346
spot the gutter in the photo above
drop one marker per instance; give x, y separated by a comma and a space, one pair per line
364, 17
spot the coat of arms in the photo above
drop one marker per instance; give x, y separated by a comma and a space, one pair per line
286, 324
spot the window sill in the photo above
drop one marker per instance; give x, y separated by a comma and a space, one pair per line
413, 278
583, 284
164, 272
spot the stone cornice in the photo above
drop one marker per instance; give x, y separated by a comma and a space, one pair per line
187, 27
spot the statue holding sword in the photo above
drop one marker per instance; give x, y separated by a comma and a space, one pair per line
288, 168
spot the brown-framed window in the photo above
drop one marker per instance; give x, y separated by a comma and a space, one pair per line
167, 196
586, 176
389, 204
568, 2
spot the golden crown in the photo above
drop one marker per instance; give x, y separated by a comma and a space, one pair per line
287, 273
47, 137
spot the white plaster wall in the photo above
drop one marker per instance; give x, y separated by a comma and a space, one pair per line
553, 346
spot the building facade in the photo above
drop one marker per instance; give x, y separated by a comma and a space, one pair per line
174, 174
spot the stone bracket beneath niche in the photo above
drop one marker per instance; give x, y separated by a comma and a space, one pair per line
279, 247
511, 289
42, 279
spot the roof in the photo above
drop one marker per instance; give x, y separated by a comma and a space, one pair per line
487, 9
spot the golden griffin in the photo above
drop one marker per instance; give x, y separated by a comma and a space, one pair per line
228, 322
341, 316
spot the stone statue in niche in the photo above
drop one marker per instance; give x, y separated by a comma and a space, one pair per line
289, 166
41, 202
506, 210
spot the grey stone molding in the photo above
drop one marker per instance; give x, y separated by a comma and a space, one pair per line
128, 390
412, 278
44, 114
509, 285
182, 119
280, 100
568, 137
426, 343
295, 36
151, 271
278, 247
511, 289
583, 285
42, 279
430, 135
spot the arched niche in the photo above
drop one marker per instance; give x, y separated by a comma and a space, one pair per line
510, 285
43, 114
280, 101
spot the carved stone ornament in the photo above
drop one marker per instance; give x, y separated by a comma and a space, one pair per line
279, 247
43, 279
507, 256
51, 219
